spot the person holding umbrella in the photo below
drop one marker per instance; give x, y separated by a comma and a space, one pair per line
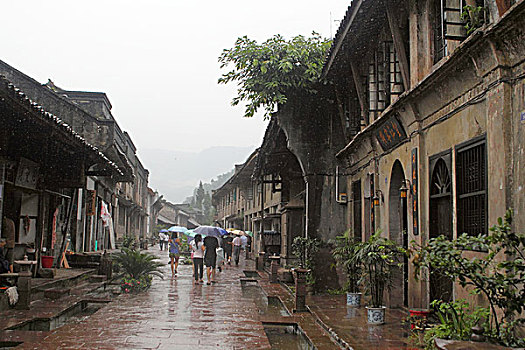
197, 249
210, 257
174, 252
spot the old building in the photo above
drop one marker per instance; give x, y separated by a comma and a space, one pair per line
154, 206
43, 164
434, 123
118, 203
418, 133
179, 215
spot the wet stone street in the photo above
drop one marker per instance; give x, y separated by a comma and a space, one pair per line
173, 314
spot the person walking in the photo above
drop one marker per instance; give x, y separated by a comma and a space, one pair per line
174, 252
237, 243
228, 247
197, 248
210, 258
161, 240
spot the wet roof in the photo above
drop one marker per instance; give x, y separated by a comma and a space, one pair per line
38, 110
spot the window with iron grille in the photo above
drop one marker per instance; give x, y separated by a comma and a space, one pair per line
471, 188
384, 80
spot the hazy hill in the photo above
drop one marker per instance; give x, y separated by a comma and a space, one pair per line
175, 174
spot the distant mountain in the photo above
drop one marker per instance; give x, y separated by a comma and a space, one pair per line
175, 174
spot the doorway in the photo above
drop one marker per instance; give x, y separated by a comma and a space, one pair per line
440, 220
398, 232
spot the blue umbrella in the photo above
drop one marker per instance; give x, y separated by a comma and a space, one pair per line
208, 231
223, 231
191, 235
181, 229
164, 231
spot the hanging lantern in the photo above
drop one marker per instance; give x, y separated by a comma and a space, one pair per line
403, 190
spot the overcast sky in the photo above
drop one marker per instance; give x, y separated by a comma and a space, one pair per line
155, 59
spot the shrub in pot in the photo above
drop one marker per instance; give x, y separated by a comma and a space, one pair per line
345, 253
379, 257
305, 249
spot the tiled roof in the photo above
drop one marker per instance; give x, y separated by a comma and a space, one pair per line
350, 14
19, 95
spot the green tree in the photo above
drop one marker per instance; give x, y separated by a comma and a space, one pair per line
268, 73
199, 196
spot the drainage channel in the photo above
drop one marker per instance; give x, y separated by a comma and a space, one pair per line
281, 336
76, 313
287, 337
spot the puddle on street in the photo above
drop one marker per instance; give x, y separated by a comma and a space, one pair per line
285, 337
266, 306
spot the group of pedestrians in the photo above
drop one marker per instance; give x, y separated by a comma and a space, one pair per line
209, 252
204, 252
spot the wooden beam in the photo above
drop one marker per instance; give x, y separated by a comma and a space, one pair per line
360, 93
399, 46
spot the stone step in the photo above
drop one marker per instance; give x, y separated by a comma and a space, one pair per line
97, 278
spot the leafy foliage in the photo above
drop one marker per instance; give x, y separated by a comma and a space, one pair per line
345, 253
306, 249
473, 17
498, 273
128, 241
267, 73
380, 257
138, 265
456, 320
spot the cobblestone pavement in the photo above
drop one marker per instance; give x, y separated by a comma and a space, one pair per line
173, 314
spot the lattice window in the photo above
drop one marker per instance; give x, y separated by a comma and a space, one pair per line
471, 183
395, 77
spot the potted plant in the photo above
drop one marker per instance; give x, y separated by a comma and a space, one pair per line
345, 253
306, 249
380, 257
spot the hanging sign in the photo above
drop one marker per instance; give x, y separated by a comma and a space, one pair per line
390, 134
27, 174
414, 189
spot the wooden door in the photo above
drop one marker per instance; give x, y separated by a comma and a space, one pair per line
441, 287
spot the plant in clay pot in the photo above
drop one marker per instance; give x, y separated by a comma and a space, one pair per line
345, 253
380, 257
305, 249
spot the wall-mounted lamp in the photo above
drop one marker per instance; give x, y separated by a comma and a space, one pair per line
404, 189
378, 198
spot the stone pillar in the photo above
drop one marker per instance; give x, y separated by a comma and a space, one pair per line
275, 259
24, 290
300, 289
260, 262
